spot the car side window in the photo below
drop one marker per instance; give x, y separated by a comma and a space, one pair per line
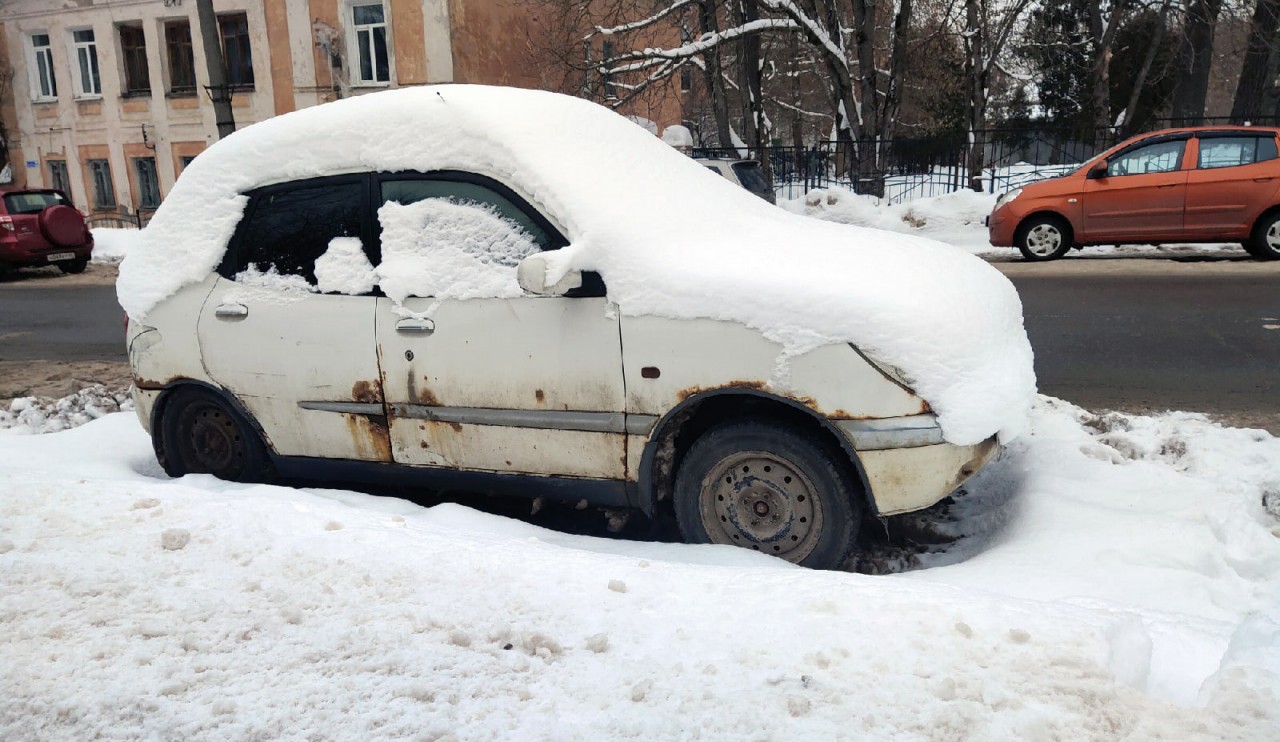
1216, 152
412, 190
1157, 157
288, 229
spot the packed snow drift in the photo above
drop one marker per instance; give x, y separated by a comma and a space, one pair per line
1117, 577
668, 237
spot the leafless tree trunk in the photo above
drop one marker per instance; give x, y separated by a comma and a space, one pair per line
1103, 34
1130, 112
1253, 76
984, 36
1195, 61
714, 75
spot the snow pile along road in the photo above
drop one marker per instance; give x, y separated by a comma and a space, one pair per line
111, 245
1121, 582
956, 218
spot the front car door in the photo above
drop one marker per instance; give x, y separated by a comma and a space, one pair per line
302, 362
1234, 180
1142, 196
479, 376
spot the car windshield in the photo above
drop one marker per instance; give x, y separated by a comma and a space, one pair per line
31, 203
751, 177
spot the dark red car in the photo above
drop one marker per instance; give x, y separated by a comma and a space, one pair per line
39, 226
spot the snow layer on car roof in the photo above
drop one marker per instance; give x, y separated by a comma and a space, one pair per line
669, 237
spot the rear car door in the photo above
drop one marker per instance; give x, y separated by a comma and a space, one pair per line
302, 362
1143, 195
516, 384
1234, 180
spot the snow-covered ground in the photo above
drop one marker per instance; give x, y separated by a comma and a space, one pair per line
1118, 577
957, 219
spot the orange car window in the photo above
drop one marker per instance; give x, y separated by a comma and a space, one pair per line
1158, 157
1235, 151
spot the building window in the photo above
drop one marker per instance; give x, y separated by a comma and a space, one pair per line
370, 25
104, 194
58, 178
86, 50
133, 51
234, 29
186, 160
148, 183
182, 64
43, 85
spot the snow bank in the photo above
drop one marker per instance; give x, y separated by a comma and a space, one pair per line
111, 245
669, 237
956, 218
39, 415
1125, 587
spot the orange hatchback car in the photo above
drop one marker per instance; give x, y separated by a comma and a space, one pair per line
1208, 184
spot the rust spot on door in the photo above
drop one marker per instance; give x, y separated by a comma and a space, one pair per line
538, 395
368, 392
372, 441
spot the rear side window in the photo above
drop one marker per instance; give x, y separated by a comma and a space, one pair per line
1218, 152
31, 203
288, 230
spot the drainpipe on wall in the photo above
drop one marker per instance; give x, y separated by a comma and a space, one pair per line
219, 91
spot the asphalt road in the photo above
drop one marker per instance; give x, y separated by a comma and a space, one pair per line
1122, 333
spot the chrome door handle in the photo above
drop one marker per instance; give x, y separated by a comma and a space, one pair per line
416, 326
231, 311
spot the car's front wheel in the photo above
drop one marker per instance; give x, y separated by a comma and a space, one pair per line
202, 434
771, 488
1044, 238
1265, 242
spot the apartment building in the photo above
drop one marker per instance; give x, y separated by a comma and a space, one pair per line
110, 98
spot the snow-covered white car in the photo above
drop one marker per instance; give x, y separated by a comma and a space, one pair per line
490, 289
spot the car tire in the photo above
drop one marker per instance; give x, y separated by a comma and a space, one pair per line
1265, 241
74, 266
1044, 237
203, 434
771, 488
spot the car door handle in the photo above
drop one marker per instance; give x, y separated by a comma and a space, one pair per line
231, 311
416, 326
1262, 180
1170, 185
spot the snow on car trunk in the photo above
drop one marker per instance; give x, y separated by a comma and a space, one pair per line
668, 237
1121, 581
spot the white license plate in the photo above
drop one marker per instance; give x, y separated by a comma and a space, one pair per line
60, 256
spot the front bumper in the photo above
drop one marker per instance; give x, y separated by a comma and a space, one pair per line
1000, 228
908, 465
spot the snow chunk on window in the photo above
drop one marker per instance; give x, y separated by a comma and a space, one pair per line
450, 249
345, 269
272, 280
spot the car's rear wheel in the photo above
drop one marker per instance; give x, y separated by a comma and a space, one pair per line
202, 434
1265, 242
1044, 238
74, 266
771, 488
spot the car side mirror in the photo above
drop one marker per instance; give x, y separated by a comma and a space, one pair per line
532, 275
1098, 171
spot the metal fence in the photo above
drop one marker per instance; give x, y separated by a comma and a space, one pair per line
910, 168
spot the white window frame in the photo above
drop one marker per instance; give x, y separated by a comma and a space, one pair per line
33, 70
82, 91
353, 45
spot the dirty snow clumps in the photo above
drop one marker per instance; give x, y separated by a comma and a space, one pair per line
668, 237
41, 415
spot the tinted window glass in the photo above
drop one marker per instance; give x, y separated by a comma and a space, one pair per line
31, 203
751, 177
409, 191
1227, 151
287, 230
1160, 157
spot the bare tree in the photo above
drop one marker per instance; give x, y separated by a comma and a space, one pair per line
987, 27
1195, 60
1129, 115
1102, 32
1253, 76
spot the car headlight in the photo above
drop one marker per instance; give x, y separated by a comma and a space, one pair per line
1007, 197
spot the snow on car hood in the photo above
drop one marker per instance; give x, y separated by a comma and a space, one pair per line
669, 237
